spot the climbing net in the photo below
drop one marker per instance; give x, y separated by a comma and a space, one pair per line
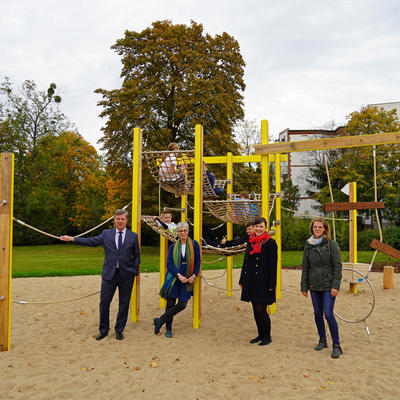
207, 248
236, 210
174, 171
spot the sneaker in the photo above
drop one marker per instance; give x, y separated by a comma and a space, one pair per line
321, 345
336, 351
157, 325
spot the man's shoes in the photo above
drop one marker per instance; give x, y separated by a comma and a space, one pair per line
168, 334
265, 342
101, 336
321, 345
336, 351
157, 325
119, 335
255, 340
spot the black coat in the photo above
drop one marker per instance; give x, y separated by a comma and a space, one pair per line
258, 274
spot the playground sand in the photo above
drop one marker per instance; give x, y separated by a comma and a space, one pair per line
54, 354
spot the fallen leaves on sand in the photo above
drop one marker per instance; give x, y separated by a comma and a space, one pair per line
306, 376
87, 369
255, 379
82, 313
138, 368
153, 364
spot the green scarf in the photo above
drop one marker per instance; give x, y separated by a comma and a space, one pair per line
189, 260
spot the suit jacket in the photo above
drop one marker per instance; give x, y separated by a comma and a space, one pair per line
128, 257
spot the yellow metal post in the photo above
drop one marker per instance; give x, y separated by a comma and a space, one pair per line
353, 231
6, 240
278, 223
197, 220
163, 265
265, 173
136, 213
229, 225
184, 208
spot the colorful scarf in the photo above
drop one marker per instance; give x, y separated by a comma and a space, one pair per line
177, 253
257, 241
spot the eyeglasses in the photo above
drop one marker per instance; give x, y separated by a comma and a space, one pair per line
183, 230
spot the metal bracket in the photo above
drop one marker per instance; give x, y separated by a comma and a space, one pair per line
3, 203
2, 298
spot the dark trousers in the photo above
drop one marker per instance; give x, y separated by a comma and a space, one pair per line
172, 309
323, 303
106, 295
262, 319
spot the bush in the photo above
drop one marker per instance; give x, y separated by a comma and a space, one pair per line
391, 236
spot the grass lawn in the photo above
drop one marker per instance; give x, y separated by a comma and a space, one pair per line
68, 259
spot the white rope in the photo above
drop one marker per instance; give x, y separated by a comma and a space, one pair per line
216, 287
57, 237
53, 302
213, 261
311, 216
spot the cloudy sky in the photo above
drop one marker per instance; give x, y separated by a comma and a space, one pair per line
307, 62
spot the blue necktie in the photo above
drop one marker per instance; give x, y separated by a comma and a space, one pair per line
120, 241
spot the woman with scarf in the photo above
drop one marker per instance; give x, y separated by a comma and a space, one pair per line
258, 278
183, 266
321, 275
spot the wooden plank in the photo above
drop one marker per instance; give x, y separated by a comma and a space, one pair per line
360, 205
6, 209
328, 143
385, 248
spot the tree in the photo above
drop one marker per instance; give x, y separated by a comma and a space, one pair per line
356, 164
67, 188
174, 77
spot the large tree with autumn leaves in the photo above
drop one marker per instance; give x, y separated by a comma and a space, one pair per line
174, 77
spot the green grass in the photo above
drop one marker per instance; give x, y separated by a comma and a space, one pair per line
69, 260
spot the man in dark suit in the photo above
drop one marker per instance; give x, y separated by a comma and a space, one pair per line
121, 265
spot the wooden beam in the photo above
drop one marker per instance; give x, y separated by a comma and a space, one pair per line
328, 143
6, 211
385, 248
366, 205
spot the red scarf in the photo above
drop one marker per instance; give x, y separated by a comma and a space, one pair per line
257, 241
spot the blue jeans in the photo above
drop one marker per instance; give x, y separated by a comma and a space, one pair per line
323, 303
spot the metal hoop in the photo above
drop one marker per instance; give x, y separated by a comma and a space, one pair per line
373, 299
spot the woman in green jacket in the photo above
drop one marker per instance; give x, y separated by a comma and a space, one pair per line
321, 275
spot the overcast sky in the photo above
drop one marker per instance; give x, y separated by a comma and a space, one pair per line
307, 62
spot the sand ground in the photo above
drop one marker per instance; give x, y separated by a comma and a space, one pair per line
54, 354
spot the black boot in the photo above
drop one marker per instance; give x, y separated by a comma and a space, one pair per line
336, 351
321, 345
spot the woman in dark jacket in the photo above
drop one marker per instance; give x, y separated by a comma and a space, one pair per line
258, 278
321, 275
183, 262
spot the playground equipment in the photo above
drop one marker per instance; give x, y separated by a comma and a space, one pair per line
265, 153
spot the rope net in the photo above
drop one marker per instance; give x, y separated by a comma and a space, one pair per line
236, 210
207, 248
174, 171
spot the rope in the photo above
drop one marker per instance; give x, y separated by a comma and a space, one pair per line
213, 261
54, 302
330, 191
216, 287
57, 237
219, 276
311, 216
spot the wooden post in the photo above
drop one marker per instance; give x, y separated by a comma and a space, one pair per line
353, 231
136, 213
197, 220
6, 218
388, 277
229, 225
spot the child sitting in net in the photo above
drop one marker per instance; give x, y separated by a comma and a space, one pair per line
165, 221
